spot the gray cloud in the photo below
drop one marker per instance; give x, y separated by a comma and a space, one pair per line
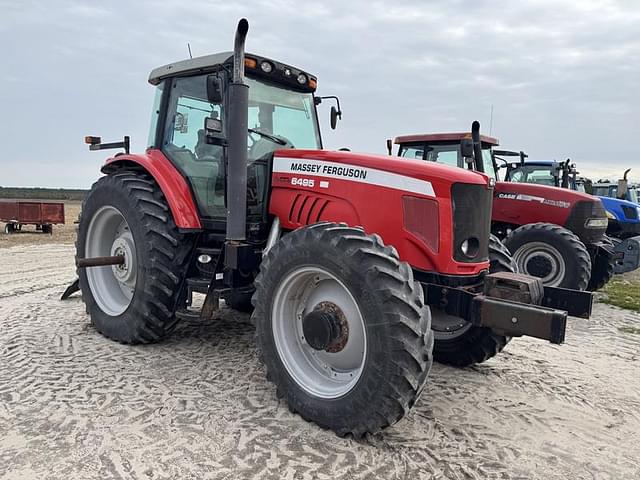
562, 75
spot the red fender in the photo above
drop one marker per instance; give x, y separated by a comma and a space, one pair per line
173, 185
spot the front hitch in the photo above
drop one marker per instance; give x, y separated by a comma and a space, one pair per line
513, 305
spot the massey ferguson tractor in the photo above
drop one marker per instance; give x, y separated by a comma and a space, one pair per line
344, 254
554, 234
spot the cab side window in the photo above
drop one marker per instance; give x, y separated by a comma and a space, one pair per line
185, 144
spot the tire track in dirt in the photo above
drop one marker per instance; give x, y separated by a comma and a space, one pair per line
76, 405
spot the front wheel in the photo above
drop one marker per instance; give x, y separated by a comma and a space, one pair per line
552, 253
457, 342
342, 328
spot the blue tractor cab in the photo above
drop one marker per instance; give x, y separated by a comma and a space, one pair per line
623, 214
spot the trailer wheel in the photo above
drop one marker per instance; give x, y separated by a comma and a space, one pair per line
552, 253
457, 342
126, 214
602, 270
342, 328
47, 229
9, 228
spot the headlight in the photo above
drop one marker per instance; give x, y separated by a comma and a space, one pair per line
469, 247
204, 258
302, 79
610, 215
597, 223
266, 67
638, 212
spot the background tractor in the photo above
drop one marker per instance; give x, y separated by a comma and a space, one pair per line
343, 254
553, 234
623, 226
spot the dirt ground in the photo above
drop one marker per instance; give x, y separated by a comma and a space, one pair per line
61, 233
75, 405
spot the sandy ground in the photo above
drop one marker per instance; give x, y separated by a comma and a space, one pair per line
61, 233
75, 405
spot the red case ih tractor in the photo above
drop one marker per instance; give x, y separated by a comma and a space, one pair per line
554, 234
343, 253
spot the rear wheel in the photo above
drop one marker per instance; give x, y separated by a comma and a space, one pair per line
342, 328
126, 214
9, 228
551, 253
457, 342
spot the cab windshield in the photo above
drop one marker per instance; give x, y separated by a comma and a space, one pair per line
286, 114
446, 154
540, 175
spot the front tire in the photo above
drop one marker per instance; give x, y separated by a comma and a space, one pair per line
457, 342
551, 253
126, 214
370, 372
601, 272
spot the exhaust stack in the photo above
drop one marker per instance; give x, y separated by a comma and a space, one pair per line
477, 146
238, 101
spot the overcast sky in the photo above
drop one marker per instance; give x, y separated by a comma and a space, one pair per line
563, 76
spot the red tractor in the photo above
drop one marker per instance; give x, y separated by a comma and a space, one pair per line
342, 253
554, 234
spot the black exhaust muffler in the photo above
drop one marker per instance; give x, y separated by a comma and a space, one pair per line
238, 104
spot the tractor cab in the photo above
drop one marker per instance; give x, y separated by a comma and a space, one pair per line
543, 172
448, 149
191, 120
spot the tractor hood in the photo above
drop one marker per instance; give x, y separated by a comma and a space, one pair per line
524, 203
401, 173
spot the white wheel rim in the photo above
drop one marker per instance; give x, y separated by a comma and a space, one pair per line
113, 286
541, 260
319, 372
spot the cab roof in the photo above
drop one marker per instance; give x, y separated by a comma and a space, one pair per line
194, 66
189, 66
442, 137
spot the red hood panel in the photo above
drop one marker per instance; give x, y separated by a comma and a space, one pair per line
405, 166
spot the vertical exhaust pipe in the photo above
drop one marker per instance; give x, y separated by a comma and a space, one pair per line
238, 105
477, 146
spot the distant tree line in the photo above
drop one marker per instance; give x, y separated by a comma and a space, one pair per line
36, 193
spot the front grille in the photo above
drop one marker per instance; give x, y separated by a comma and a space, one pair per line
630, 213
471, 220
577, 220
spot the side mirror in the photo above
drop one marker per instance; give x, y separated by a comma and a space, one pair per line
389, 146
466, 148
335, 114
214, 89
213, 131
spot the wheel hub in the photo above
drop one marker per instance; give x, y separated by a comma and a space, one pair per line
326, 328
541, 260
539, 266
123, 246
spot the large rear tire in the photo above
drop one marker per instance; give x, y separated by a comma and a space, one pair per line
126, 214
342, 328
552, 253
457, 342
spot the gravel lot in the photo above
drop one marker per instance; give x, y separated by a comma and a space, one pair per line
75, 405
